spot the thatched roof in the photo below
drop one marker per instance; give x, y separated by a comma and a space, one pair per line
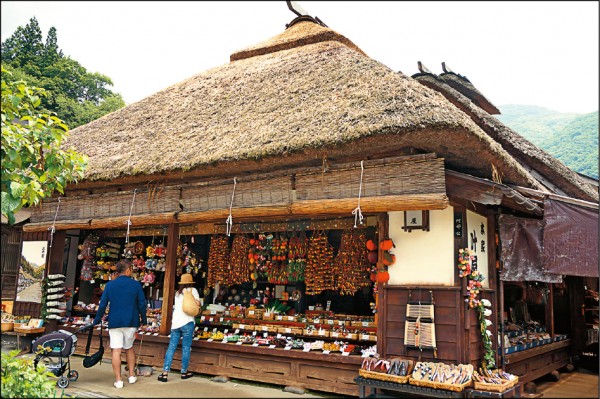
302, 95
552, 173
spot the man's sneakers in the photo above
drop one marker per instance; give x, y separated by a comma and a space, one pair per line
119, 384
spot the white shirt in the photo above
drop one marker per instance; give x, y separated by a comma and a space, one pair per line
180, 319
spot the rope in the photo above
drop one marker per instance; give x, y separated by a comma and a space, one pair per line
52, 228
128, 221
358, 216
229, 221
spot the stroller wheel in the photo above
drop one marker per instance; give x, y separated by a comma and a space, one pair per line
73, 375
62, 382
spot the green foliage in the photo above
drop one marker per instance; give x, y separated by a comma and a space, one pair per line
73, 93
571, 138
33, 164
21, 380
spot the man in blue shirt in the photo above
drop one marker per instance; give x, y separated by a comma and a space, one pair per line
127, 307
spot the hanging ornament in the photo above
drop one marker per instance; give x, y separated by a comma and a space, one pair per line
128, 221
358, 216
229, 221
52, 228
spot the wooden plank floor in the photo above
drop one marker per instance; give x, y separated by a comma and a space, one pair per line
578, 384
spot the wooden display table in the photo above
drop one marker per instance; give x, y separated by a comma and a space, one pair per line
25, 332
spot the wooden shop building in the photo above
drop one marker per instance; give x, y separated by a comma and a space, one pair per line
304, 135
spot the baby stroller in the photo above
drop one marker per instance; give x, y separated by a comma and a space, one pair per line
54, 351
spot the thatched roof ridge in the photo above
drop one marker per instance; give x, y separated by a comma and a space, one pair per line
297, 34
549, 170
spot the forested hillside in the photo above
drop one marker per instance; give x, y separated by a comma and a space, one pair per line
572, 138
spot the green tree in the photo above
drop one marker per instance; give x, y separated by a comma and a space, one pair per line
33, 163
74, 94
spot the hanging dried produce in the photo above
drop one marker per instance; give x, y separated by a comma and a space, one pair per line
318, 274
239, 262
298, 251
277, 272
351, 265
187, 261
218, 259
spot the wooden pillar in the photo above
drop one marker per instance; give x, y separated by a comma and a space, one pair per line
170, 279
56, 255
463, 330
380, 302
550, 310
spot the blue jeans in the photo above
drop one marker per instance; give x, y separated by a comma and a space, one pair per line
187, 332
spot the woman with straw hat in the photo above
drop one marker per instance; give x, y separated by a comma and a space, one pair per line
182, 325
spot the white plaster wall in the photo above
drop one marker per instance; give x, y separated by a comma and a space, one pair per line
474, 222
423, 257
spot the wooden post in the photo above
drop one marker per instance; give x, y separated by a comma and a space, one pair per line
170, 279
380, 302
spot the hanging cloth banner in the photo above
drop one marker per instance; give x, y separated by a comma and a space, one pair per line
52, 228
229, 221
570, 239
128, 221
522, 250
358, 216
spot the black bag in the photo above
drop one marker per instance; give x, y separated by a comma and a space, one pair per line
94, 358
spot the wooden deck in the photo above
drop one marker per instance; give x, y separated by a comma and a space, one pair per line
578, 384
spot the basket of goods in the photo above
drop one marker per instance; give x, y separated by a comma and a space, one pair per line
253, 313
203, 335
494, 380
392, 370
442, 376
7, 322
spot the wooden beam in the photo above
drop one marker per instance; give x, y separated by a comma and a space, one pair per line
169, 282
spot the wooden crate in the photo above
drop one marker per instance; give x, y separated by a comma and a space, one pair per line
254, 313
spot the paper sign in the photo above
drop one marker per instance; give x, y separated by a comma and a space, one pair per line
345, 353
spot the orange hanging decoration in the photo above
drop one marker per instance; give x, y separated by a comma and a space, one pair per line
386, 245
371, 246
383, 276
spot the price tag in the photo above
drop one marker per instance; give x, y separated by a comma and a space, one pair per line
155, 334
202, 318
209, 340
196, 329
265, 335
265, 328
251, 312
287, 348
213, 312
210, 320
288, 330
224, 341
278, 335
365, 324
364, 337
271, 346
254, 333
335, 334
330, 322
239, 343
205, 329
365, 355
341, 323
225, 332
221, 320
345, 353
196, 339
255, 344
242, 326
237, 330
326, 352
279, 317
316, 321
291, 318
215, 329
306, 349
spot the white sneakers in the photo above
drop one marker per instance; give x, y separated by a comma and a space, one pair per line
119, 384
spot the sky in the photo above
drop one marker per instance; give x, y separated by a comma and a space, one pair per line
542, 53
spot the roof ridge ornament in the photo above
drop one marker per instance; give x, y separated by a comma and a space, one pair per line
446, 68
302, 14
423, 68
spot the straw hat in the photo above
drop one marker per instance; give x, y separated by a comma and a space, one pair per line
186, 279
